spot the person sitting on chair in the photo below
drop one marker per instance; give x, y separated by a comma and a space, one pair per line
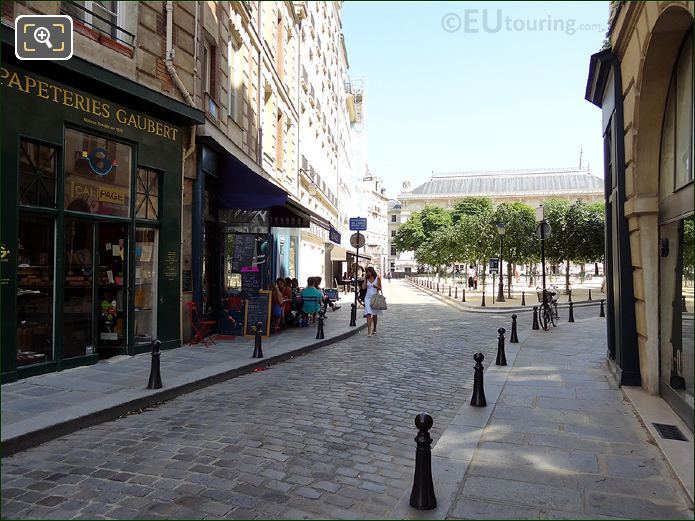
324, 298
311, 301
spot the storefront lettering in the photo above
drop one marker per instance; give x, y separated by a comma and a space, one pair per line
103, 195
75, 100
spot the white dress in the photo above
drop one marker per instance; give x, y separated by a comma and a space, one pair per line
371, 291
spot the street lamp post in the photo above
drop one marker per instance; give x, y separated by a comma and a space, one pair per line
500, 293
540, 218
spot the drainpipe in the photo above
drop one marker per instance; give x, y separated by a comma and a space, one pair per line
169, 61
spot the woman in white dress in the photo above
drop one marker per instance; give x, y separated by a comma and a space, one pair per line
373, 285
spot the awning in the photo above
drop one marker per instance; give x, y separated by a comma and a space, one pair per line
240, 188
338, 253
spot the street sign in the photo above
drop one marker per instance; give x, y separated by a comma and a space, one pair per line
357, 240
358, 224
493, 265
546, 230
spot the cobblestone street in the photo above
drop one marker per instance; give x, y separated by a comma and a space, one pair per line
329, 434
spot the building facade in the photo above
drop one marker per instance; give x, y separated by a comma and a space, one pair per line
643, 85
445, 189
167, 163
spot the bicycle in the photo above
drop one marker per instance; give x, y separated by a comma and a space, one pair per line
548, 313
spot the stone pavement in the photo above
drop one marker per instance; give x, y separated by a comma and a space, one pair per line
44, 407
556, 441
325, 435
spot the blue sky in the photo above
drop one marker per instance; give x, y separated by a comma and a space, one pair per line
442, 97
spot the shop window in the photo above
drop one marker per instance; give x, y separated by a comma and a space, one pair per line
145, 296
38, 166
147, 194
78, 298
97, 174
35, 289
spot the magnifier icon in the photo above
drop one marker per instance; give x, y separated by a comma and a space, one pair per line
42, 35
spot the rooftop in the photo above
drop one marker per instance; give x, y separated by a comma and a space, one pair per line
546, 181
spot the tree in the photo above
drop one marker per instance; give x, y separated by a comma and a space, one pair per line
476, 237
555, 213
410, 234
470, 206
519, 246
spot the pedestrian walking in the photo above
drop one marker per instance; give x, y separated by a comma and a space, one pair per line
372, 283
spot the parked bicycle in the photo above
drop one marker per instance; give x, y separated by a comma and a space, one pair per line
548, 312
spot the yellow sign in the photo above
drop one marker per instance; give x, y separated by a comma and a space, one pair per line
112, 115
101, 194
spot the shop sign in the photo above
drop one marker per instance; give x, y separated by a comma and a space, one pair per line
96, 112
334, 235
101, 194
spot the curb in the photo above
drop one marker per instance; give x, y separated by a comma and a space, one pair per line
510, 309
37, 437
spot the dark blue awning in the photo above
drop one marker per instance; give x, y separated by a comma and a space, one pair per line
242, 189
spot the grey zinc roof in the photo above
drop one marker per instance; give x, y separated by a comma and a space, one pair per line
512, 182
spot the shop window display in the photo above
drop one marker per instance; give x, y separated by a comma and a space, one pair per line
35, 289
145, 296
37, 174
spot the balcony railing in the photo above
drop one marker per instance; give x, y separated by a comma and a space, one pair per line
99, 22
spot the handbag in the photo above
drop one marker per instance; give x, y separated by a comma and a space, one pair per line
378, 302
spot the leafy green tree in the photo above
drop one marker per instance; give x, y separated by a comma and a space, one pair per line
410, 234
519, 246
555, 213
470, 206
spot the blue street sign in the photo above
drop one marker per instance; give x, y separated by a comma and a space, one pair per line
358, 224
334, 235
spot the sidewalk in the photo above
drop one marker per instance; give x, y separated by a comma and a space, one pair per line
41, 408
557, 440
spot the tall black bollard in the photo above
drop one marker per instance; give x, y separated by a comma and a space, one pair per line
463, 291
482, 302
523, 298
258, 348
456, 293
353, 315
319, 328
589, 293
478, 398
571, 317
450, 291
602, 313
535, 318
155, 374
422, 496
501, 356
514, 339
685, 309
437, 287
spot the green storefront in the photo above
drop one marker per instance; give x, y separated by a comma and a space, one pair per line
90, 217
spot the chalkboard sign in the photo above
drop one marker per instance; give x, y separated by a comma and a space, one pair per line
250, 283
244, 251
258, 310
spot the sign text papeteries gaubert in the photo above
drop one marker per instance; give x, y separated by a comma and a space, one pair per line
90, 105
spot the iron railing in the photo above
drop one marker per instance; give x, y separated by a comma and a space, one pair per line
87, 17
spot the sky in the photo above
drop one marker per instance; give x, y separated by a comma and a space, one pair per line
457, 86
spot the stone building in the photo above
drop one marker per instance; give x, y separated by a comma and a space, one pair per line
530, 187
643, 84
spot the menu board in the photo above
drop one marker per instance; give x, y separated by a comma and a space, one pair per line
258, 310
244, 251
250, 283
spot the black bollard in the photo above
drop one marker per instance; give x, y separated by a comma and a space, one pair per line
437, 287
602, 313
535, 318
589, 293
422, 496
685, 309
478, 398
450, 291
501, 356
513, 339
456, 293
353, 315
482, 303
155, 373
463, 291
523, 299
569, 295
571, 318
258, 348
319, 328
